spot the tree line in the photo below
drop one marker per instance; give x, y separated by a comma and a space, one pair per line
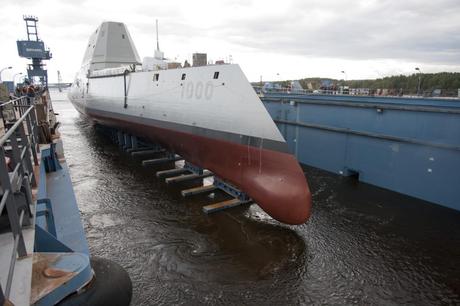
447, 82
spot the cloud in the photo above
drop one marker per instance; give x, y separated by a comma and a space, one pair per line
368, 38
364, 30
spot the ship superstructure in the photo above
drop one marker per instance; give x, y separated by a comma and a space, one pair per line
210, 115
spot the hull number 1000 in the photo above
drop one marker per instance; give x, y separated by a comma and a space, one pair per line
197, 90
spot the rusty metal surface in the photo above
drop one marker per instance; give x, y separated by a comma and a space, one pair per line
45, 276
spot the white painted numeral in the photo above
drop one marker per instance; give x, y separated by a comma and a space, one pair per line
189, 90
209, 90
197, 90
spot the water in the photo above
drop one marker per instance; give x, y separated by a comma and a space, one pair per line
362, 245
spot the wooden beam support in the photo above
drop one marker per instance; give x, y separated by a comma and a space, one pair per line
169, 172
158, 161
187, 177
198, 190
138, 152
222, 205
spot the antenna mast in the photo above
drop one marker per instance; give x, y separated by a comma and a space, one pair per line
158, 42
59, 80
158, 54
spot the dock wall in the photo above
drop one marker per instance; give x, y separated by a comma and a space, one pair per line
408, 145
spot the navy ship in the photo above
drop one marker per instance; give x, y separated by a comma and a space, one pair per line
209, 115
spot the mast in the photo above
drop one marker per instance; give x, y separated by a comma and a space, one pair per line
158, 41
158, 54
59, 80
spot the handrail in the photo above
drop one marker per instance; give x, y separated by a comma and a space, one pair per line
3, 201
15, 126
13, 100
21, 151
9, 281
350, 102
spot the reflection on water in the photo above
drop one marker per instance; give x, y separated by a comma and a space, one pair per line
362, 245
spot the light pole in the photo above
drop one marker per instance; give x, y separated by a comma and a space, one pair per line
1, 70
419, 80
277, 81
342, 90
14, 77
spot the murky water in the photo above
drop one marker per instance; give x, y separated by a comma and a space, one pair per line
363, 245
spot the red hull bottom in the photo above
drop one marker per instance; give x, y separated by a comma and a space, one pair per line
274, 180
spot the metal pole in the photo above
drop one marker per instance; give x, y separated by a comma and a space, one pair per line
158, 42
124, 85
419, 81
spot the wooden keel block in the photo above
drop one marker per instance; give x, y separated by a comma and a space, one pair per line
187, 177
159, 161
138, 152
169, 172
221, 205
198, 190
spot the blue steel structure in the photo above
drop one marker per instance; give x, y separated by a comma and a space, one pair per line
58, 241
408, 145
33, 48
58, 229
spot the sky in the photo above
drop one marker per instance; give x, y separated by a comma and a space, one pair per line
272, 40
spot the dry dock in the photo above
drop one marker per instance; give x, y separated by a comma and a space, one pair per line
362, 245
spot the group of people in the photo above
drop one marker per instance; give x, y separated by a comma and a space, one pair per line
27, 89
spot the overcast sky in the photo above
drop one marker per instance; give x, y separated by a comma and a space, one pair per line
277, 40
